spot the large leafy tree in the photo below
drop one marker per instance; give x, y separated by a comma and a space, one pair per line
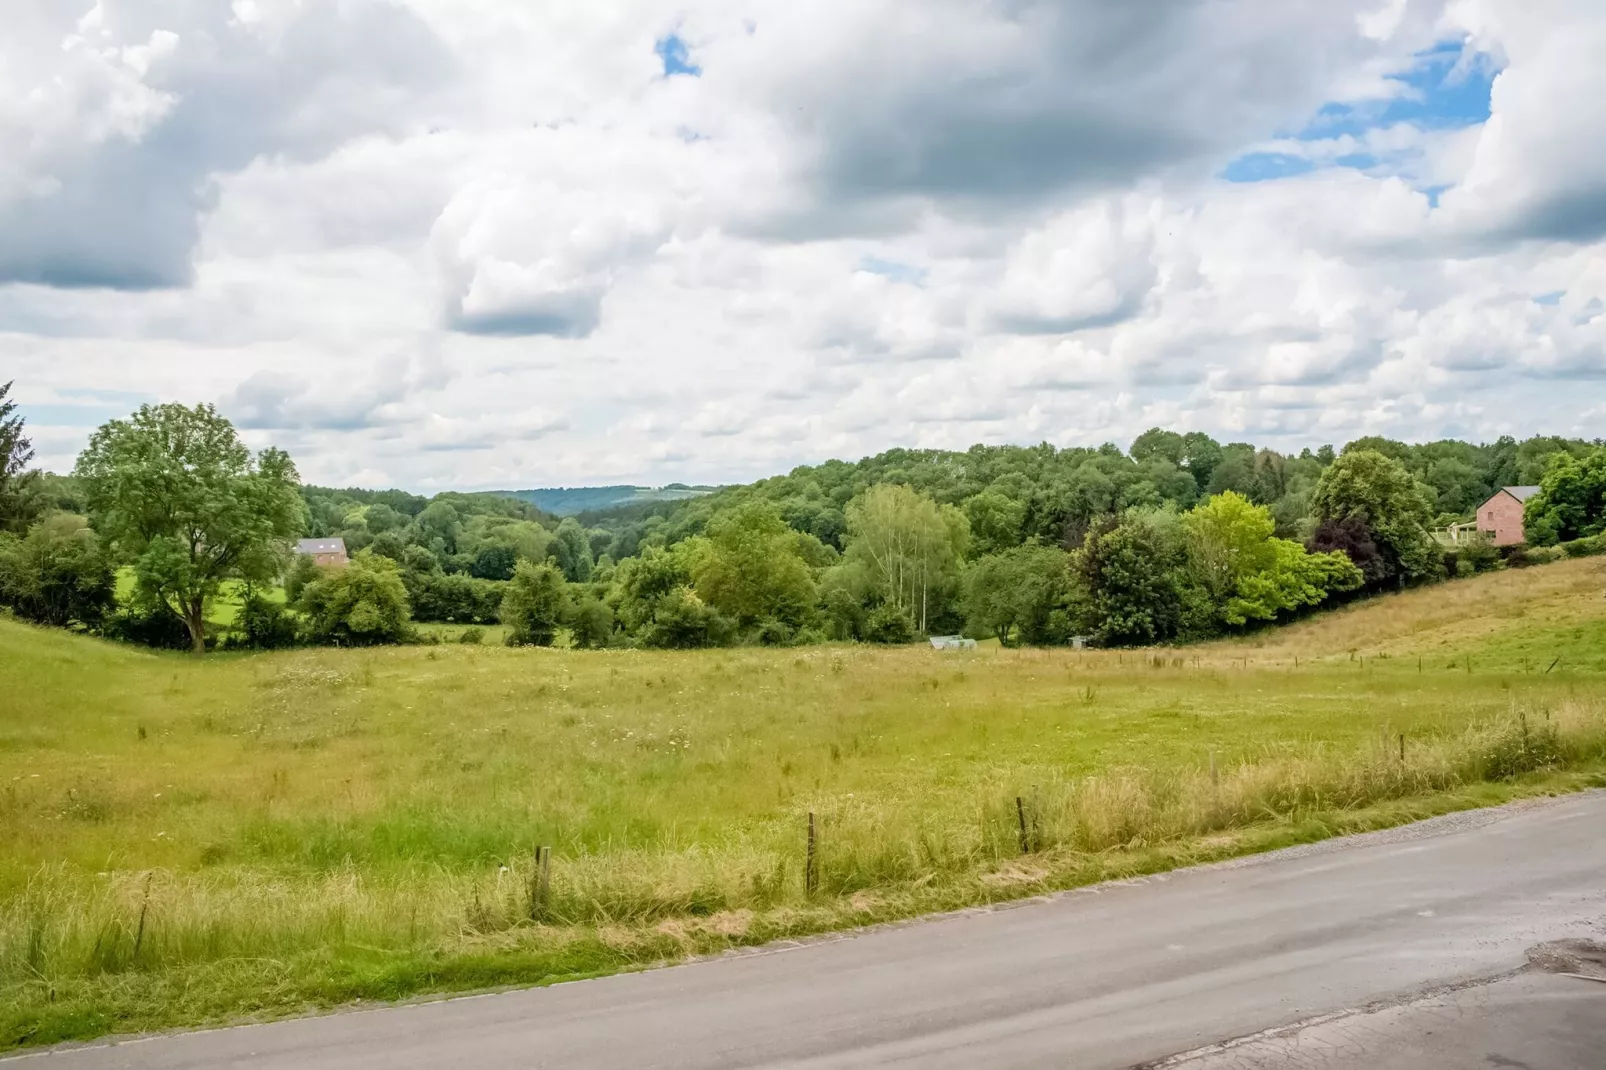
995, 520
1571, 503
1200, 455
1229, 537
439, 527
494, 561
1365, 485
1458, 486
749, 567
1019, 594
572, 549
175, 491
1248, 573
1353, 539
1135, 579
18, 502
1158, 442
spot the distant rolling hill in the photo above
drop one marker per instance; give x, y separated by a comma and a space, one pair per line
567, 501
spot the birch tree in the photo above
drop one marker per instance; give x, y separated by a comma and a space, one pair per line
909, 546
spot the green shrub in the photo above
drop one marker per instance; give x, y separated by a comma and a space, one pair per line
533, 606
303, 570
262, 625
1585, 547
1534, 555
888, 624
682, 621
453, 598
1482, 554
772, 631
590, 623
472, 636
363, 604
843, 614
57, 574
149, 624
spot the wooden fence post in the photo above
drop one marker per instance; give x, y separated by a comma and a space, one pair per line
540, 883
1025, 840
811, 878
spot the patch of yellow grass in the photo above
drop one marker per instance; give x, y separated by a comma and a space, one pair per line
1459, 616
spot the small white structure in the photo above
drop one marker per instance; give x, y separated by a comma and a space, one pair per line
952, 642
1079, 642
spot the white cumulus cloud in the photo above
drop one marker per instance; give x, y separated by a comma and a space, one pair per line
474, 243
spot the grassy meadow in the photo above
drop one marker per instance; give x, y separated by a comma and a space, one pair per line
187, 841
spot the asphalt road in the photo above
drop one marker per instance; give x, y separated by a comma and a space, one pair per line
1385, 936
1533, 1021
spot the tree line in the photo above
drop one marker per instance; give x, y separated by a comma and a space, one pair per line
1177, 538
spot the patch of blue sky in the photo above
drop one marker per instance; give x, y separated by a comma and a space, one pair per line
1552, 298
893, 270
676, 57
1446, 88
1264, 166
63, 415
1360, 161
1433, 193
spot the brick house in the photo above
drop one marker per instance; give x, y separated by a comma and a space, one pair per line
1501, 516
324, 551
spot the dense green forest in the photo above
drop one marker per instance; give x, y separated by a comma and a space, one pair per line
1015, 493
1177, 537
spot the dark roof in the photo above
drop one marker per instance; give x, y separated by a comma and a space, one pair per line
321, 546
1522, 494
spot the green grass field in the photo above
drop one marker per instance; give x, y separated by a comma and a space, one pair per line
187, 841
221, 611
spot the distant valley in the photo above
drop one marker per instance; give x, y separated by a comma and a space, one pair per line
567, 501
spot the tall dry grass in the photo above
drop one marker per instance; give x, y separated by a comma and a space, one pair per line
1461, 616
67, 927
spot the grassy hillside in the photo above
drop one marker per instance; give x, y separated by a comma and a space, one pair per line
183, 841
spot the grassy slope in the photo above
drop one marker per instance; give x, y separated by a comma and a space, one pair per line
311, 827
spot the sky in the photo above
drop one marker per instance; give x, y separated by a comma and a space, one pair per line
461, 244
